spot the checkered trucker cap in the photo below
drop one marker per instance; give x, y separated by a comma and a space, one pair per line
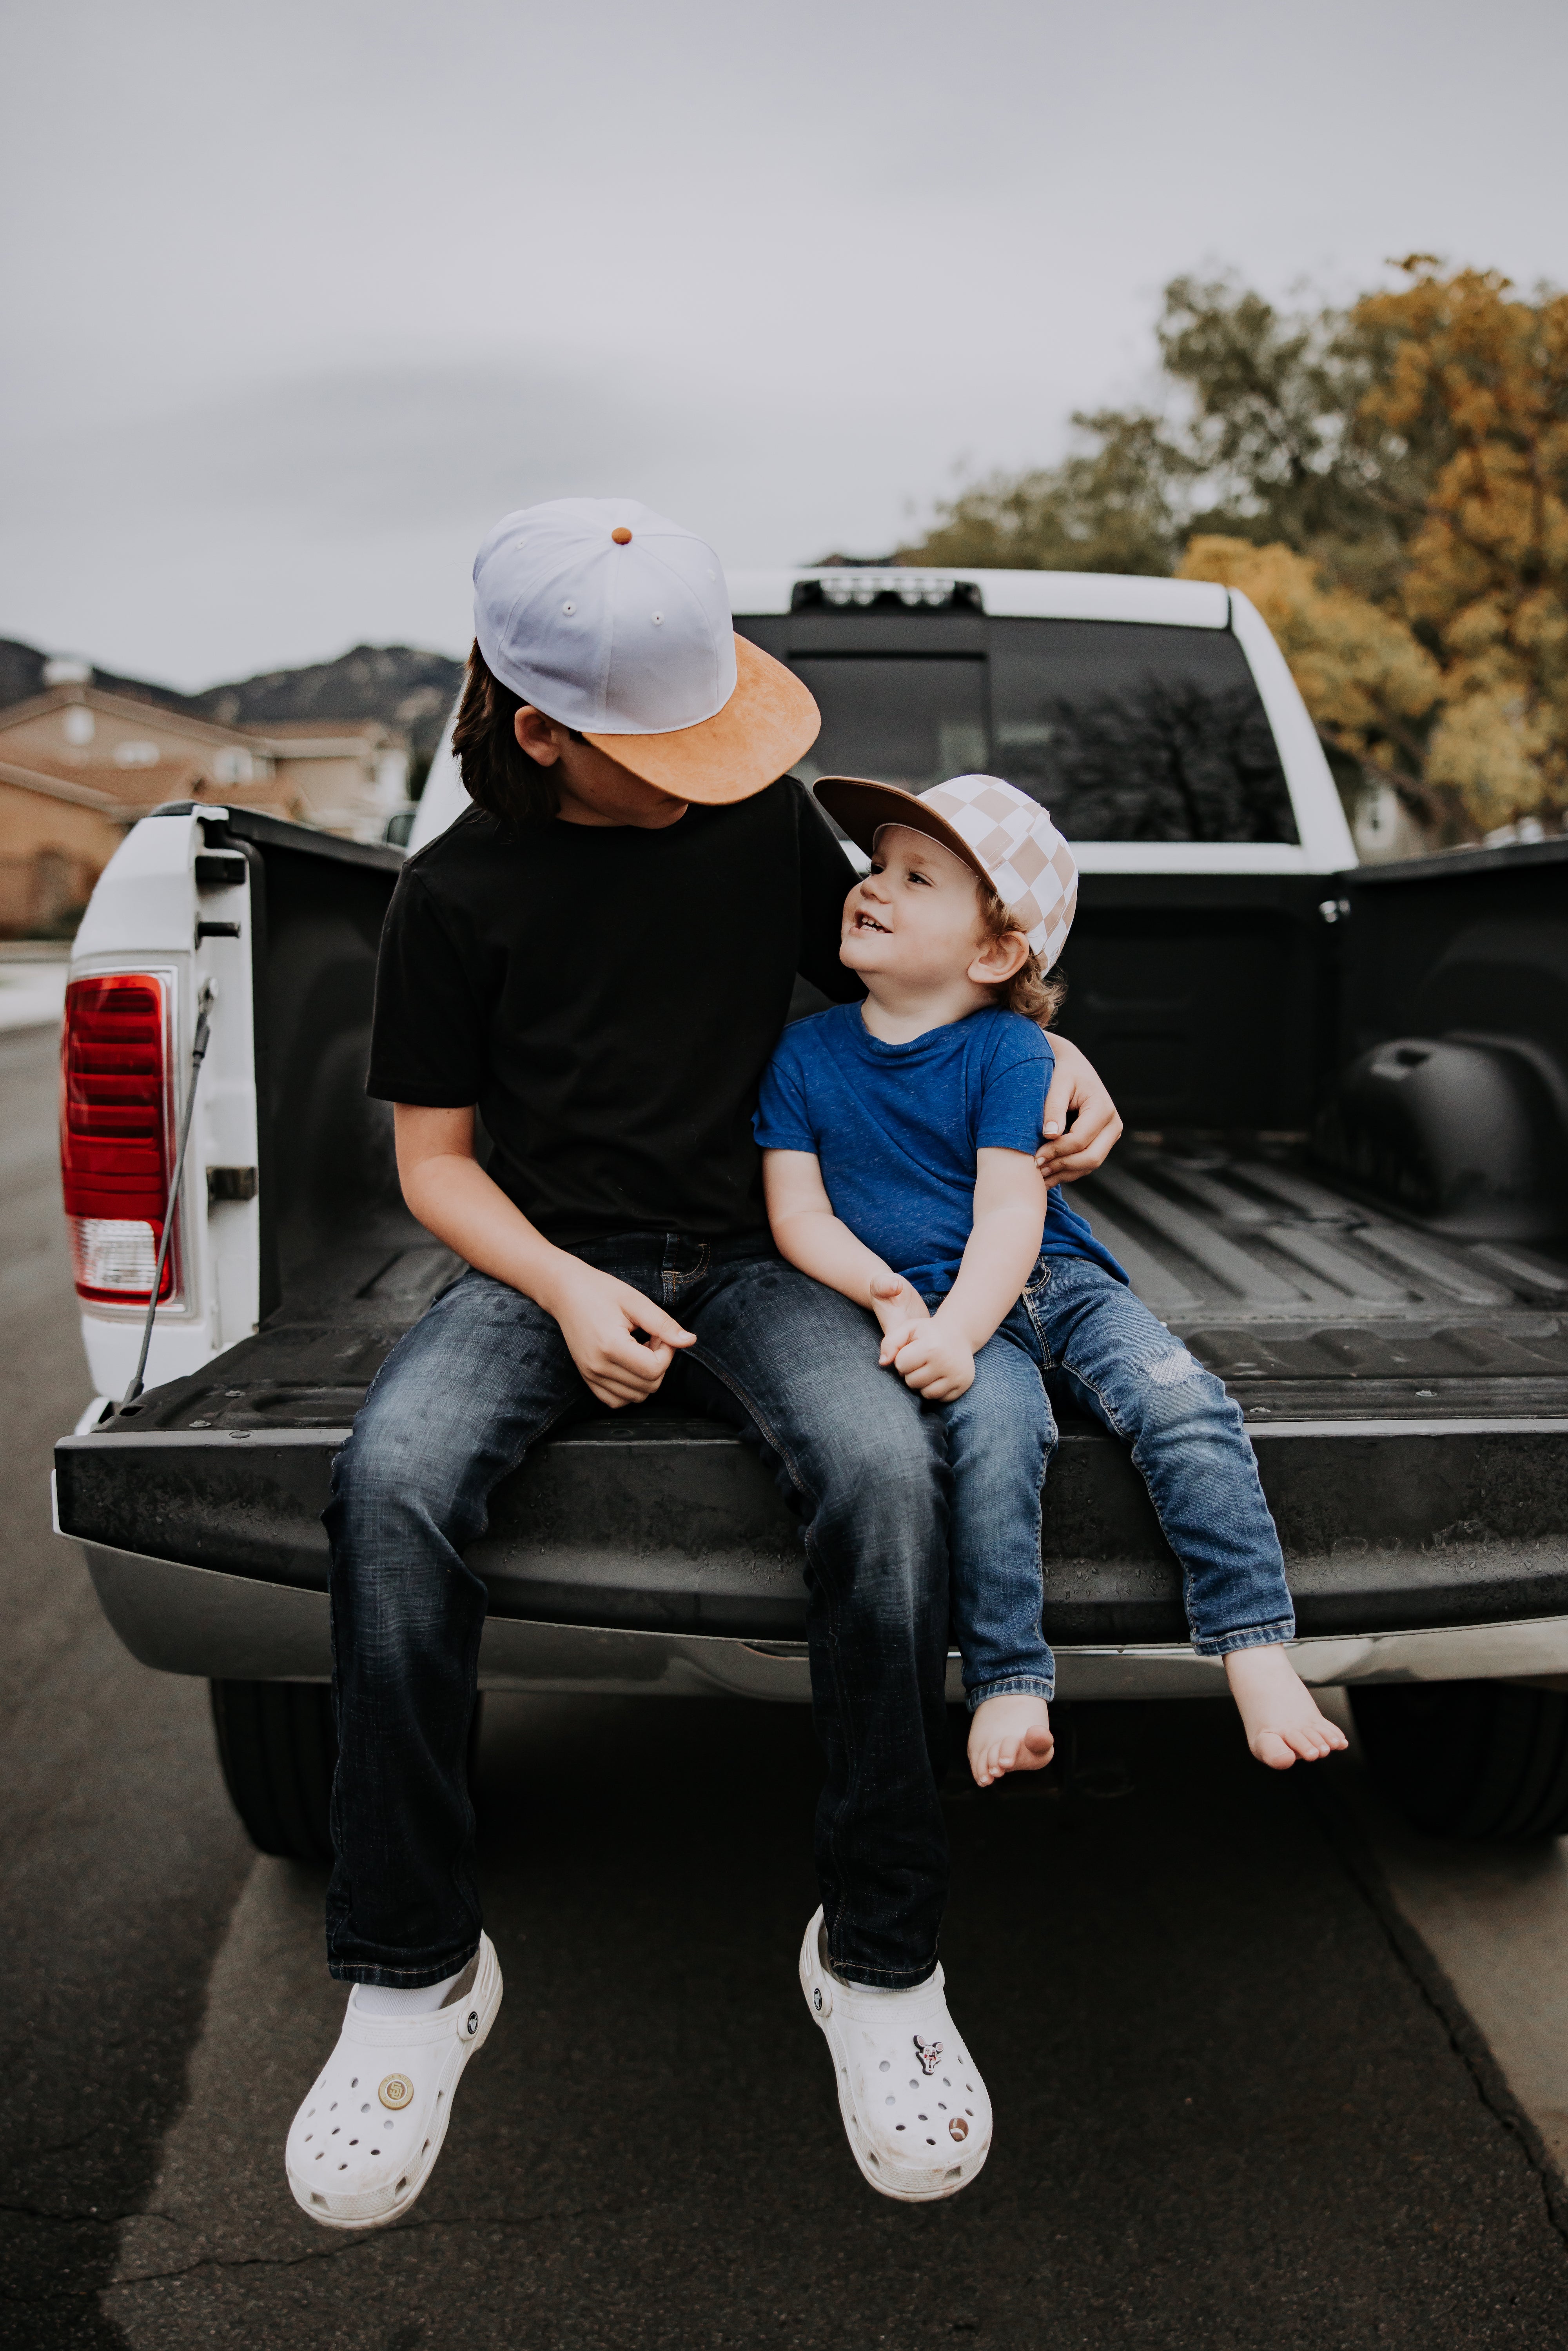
1008, 839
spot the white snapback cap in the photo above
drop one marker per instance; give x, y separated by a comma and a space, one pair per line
614, 620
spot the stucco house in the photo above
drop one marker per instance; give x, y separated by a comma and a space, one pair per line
77, 765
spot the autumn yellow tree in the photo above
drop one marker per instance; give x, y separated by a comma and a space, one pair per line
1455, 684
1370, 684
1468, 367
1388, 483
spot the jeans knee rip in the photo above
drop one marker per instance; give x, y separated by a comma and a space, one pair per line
1172, 1371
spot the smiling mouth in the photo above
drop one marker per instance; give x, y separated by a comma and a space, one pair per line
865, 922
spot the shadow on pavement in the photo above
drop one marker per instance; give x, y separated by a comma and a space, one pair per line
1225, 2115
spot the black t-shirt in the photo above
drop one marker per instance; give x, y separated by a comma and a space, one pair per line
609, 997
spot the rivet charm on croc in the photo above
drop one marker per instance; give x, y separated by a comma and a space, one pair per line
366, 2139
915, 2108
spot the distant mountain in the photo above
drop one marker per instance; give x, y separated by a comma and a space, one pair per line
21, 671
397, 683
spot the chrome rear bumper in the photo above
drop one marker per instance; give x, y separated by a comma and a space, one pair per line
193, 1620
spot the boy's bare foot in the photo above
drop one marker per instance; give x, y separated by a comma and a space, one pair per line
1278, 1711
1009, 1734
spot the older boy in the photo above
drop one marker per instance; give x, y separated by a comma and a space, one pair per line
598, 956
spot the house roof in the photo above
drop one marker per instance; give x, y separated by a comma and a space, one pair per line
295, 733
320, 738
149, 717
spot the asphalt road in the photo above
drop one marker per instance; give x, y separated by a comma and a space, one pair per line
1234, 2107
118, 1861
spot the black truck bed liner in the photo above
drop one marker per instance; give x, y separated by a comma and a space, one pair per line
1407, 1393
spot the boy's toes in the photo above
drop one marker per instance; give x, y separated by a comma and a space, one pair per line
1316, 1739
1008, 1732
1270, 1748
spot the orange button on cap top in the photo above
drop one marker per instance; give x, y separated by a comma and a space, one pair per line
621, 535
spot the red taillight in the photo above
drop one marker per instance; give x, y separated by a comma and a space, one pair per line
116, 1119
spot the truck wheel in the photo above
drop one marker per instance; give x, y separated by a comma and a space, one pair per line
278, 1750
1480, 1759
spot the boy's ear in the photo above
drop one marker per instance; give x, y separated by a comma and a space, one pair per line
536, 735
999, 959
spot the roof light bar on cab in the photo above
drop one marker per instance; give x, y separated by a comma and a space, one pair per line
911, 588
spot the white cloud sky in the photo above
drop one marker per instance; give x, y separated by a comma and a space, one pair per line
301, 297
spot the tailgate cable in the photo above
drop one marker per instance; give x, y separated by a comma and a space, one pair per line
205, 1003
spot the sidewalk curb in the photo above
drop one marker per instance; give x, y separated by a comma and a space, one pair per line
1345, 1833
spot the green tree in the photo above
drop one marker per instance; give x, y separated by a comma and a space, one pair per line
1116, 506
1251, 440
1273, 432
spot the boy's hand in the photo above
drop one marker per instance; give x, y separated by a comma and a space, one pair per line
1076, 1092
932, 1360
901, 1310
897, 1305
599, 1319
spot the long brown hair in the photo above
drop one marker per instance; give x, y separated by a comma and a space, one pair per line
498, 773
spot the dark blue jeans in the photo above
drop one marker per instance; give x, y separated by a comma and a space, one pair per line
1078, 1335
483, 1375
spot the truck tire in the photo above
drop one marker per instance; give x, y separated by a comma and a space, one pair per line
1486, 1760
278, 1750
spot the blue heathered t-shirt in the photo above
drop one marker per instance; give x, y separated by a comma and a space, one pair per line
895, 1129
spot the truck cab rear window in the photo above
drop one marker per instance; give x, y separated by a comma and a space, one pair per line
1132, 733
1127, 732
905, 720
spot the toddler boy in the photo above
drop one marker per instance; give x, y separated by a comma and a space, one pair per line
898, 1138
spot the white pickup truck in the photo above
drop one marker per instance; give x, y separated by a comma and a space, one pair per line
1345, 1184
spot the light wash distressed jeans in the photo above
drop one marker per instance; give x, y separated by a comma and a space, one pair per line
1079, 1334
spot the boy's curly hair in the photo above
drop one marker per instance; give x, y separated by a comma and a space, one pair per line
1034, 992
498, 773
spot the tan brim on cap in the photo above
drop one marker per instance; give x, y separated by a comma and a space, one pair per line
769, 722
862, 808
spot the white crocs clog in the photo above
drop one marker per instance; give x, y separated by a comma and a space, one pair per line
365, 2141
916, 2110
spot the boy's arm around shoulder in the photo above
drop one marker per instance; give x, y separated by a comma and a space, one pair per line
1081, 1125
